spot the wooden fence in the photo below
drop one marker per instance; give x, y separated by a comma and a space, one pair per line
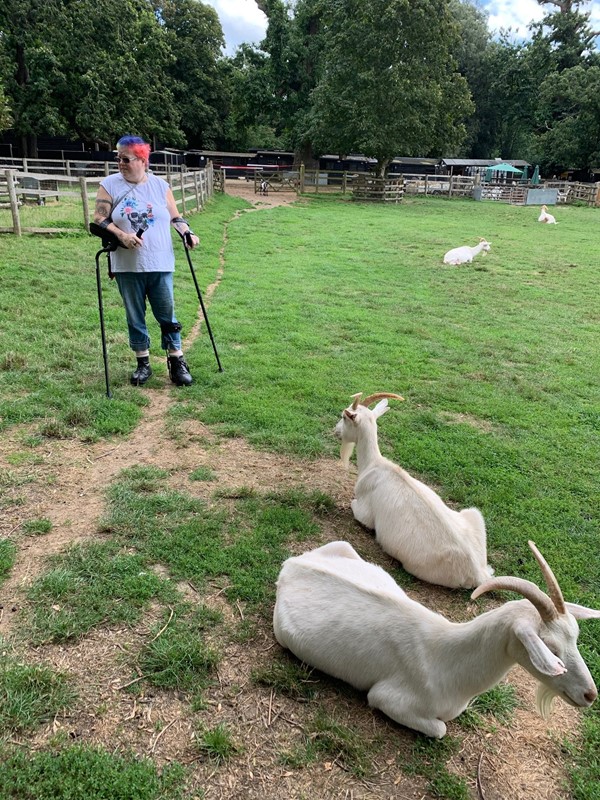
191, 189
383, 190
513, 193
570, 192
450, 185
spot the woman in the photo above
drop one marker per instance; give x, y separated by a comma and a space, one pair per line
138, 207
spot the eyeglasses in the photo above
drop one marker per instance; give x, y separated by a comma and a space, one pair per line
126, 159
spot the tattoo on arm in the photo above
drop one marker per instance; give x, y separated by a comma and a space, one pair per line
103, 208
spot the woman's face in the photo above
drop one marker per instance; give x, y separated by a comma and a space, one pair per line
134, 168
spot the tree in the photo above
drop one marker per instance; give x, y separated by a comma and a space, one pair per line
31, 78
571, 101
569, 36
6, 119
296, 48
389, 83
253, 118
566, 130
201, 79
118, 81
472, 54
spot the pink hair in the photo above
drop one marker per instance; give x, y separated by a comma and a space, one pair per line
140, 148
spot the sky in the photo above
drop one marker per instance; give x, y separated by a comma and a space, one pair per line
242, 21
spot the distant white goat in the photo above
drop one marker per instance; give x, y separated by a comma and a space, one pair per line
411, 522
350, 619
466, 254
546, 217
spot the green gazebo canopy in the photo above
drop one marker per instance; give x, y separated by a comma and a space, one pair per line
501, 168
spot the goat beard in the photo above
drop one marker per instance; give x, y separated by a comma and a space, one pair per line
345, 453
543, 700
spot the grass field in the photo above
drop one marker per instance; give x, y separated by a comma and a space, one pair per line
498, 361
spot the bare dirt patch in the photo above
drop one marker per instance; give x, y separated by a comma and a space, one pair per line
67, 485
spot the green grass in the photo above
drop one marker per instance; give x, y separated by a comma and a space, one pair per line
496, 704
325, 738
217, 744
8, 552
244, 547
499, 363
29, 695
54, 379
203, 474
85, 772
37, 527
89, 585
178, 658
428, 759
288, 677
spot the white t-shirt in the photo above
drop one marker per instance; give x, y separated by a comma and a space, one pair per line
141, 206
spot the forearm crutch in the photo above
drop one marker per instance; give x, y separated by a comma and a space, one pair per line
109, 245
101, 312
186, 238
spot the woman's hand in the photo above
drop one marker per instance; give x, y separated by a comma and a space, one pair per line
130, 240
191, 240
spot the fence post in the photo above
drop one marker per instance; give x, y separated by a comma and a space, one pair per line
25, 166
301, 179
182, 179
196, 190
451, 186
84, 200
106, 168
14, 204
68, 167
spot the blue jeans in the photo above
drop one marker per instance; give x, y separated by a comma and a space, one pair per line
135, 287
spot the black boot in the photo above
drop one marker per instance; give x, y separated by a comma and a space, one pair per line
142, 372
178, 370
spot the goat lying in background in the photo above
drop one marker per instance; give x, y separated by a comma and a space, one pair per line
350, 619
411, 522
546, 217
466, 254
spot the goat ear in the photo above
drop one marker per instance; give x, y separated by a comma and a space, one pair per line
542, 658
582, 612
381, 408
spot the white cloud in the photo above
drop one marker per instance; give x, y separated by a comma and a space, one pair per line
241, 20
514, 14
517, 14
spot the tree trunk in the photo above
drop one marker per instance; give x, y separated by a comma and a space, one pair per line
304, 155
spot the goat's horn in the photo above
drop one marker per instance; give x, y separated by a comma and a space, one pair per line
355, 400
379, 396
528, 589
554, 589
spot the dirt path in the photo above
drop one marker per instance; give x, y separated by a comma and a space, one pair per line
67, 486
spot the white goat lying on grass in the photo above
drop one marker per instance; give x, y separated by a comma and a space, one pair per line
411, 522
466, 254
350, 619
546, 217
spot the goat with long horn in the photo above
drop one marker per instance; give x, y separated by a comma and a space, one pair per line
411, 522
350, 619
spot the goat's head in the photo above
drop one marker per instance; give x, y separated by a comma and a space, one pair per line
546, 644
359, 416
485, 246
